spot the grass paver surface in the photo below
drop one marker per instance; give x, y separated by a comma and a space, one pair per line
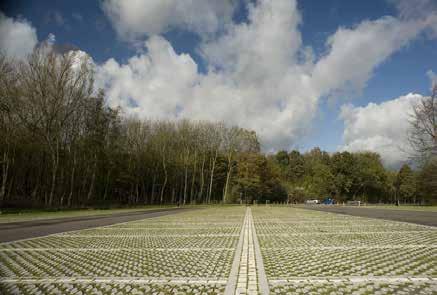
188, 253
194, 252
311, 252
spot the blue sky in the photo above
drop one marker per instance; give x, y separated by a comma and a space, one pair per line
403, 70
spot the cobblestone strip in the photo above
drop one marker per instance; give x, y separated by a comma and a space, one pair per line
247, 274
233, 276
262, 278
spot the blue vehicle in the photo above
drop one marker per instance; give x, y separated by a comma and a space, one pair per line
328, 201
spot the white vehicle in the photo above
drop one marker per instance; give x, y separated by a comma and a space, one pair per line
312, 202
353, 203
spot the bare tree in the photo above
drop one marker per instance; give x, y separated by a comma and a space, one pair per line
7, 119
423, 139
52, 87
231, 138
423, 135
61, 145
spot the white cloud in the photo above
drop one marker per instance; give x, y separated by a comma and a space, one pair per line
152, 84
261, 86
17, 37
414, 9
355, 52
432, 77
381, 128
134, 19
425, 10
260, 76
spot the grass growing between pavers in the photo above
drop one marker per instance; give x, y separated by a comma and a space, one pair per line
368, 288
112, 288
192, 252
315, 252
187, 253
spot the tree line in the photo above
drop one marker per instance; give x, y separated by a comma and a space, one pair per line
62, 146
347, 176
362, 176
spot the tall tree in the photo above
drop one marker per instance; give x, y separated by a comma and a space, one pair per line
405, 184
423, 134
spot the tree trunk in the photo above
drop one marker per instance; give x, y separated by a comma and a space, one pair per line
202, 179
93, 178
185, 184
5, 170
228, 177
225, 192
105, 194
172, 196
55, 164
73, 171
146, 185
165, 179
153, 189
212, 176
193, 178
62, 182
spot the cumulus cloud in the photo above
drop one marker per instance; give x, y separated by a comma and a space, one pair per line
425, 10
415, 8
152, 84
381, 128
432, 77
260, 76
354, 52
133, 19
17, 37
261, 86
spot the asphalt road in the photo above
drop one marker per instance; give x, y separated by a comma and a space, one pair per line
418, 217
30, 229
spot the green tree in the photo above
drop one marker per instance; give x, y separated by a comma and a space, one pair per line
343, 168
296, 166
427, 181
405, 184
369, 178
322, 181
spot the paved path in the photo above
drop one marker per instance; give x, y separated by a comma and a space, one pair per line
247, 274
30, 229
418, 217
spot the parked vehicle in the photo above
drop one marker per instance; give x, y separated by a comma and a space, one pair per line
353, 203
312, 202
328, 201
